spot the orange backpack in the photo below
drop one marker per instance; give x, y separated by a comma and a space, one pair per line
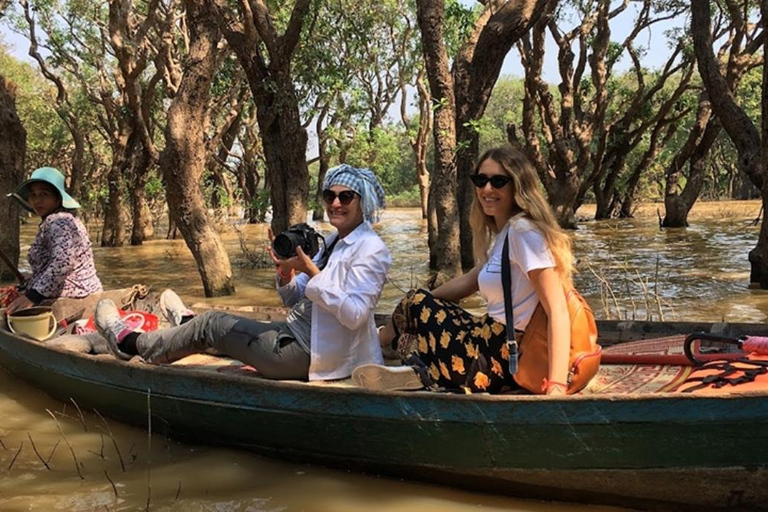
584, 360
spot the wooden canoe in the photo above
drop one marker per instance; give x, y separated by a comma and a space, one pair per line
647, 451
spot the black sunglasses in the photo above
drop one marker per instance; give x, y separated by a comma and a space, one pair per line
497, 180
345, 196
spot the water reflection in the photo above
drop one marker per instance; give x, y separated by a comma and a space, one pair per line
699, 272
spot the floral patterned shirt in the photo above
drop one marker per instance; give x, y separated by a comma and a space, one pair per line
62, 260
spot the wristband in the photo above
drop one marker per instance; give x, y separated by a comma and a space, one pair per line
289, 275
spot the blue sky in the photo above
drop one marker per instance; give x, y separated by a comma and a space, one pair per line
653, 39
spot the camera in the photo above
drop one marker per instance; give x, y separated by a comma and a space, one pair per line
300, 235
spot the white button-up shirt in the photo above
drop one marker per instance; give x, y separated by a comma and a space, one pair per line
344, 296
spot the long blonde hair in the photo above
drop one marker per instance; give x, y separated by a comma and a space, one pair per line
528, 198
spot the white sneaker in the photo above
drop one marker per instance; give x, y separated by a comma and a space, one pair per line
111, 326
386, 378
173, 307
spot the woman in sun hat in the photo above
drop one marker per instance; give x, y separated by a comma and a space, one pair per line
60, 256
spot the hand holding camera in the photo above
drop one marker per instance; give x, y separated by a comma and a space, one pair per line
293, 249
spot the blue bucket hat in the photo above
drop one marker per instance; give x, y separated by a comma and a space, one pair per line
45, 175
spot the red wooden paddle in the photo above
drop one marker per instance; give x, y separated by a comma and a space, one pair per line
12, 267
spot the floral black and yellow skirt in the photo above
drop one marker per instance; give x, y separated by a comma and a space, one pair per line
459, 350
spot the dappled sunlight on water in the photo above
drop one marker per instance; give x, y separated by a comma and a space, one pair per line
698, 273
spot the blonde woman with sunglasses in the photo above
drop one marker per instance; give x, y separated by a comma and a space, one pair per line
330, 328
449, 347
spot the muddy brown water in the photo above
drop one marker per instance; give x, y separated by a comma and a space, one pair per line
628, 268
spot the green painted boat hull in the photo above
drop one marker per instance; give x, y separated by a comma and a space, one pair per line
644, 451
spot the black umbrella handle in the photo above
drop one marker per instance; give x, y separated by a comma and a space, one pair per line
687, 346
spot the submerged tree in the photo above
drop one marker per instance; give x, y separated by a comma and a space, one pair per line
736, 56
748, 140
13, 140
184, 158
581, 137
460, 93
265, 53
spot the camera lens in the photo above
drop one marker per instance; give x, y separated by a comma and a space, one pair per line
285, 244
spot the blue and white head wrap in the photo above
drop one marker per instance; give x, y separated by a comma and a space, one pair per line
362, 181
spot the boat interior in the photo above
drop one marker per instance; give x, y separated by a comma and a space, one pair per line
637, 358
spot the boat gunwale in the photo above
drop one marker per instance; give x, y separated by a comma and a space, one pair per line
330, 389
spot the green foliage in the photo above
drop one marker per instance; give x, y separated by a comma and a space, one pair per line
260, 204
406, 198
154, 187
48, 140
505, 106
459, 23
386, 152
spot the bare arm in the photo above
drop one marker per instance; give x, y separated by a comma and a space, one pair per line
552, 297
459, 287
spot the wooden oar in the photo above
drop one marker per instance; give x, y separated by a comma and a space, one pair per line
11, 266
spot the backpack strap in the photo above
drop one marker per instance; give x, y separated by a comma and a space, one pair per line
421, 369
506, 285
750, 370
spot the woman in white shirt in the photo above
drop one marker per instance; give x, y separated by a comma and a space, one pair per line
330, 328
451, 348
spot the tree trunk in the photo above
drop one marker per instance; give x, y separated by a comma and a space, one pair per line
285, 147
13, 145
324, 162
424, 189
678, 204
605, 194
218, 179
113, 231
256, 215
77, 185
442, 191
465, 191
432, 231
173, 229
627, 210
143, 229
184, 158
420, 142
564, 197
743, 188
758, 259
749, 142
475, 71
284, 139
